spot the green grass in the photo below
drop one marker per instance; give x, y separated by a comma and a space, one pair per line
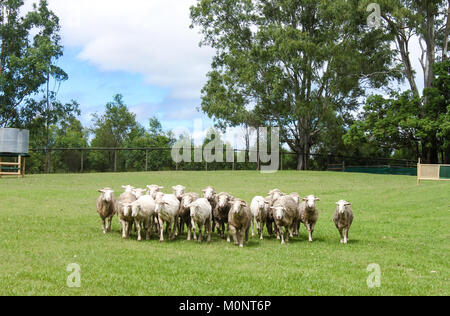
50, 221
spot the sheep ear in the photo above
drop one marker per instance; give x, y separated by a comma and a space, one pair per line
317, 199
348, 204
305, 199
101, 191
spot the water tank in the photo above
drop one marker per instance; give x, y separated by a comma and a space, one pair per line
14, 141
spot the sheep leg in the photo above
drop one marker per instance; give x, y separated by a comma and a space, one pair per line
108, 227
281, 234
228, 233
341, 232
189, 231
161, 230
346, 235
209, 228
103, 226
247, 235
235, 235
200, 235
310, 231
253, 223
139, 229
193, 227
149, 229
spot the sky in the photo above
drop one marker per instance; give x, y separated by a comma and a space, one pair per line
142, 49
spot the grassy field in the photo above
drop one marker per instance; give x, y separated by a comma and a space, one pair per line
49, 221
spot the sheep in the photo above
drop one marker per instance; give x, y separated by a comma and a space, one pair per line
124, 212
260, 209
296, 224
153, 190
106, 208
167, 207
201, 214
284, 213
343, 218
210, 194
178, 191
138, 192
184, 212
128, 188
239, 221
308, 214
143, 212
274, 195
220, 213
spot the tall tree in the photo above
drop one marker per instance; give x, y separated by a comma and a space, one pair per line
296, 64
29, 47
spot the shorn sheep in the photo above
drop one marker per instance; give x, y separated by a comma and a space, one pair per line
285, 211
239, 221
106, 208
309, 215
124, 212
260, 209
184, 214
274, 195
343, 218
201, 215
167, 207
153, 190
143, 213
220, 213
210, 194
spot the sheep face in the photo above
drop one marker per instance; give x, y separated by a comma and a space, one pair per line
311, 201
128, 188
278, 213
237, 206
275, 194
107, 194
194, 209
153, 190
209, 193
138, 193
342, 205
223, 201
179, 191
187, 200
127, 209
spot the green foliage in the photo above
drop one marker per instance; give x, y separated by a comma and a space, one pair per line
298, 64
26, 61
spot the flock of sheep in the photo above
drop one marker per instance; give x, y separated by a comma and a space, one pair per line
149, 209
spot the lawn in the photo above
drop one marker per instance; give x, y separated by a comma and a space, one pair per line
49, 221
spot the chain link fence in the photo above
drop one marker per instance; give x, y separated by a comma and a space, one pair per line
82, 160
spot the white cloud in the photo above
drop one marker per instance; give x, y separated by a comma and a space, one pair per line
148, 37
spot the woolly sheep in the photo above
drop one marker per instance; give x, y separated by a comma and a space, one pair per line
184, 212
260, 209
153, 190
124, 212
343, 218
284, 213
201, 215
143, 212
220, 213
167, 207
308, 214
239, 221
178, 191
106, 208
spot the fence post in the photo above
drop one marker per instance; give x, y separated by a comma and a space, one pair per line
418, 172
82, 161
146, 160
115, 160
281, 164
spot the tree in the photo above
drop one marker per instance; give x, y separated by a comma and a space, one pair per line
296, 64
29, 47
405, 123
112, 130
429, 21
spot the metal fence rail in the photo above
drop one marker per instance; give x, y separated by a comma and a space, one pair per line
76, 160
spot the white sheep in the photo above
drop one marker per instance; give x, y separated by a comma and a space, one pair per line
143, 212
128, 188
139, 192
124, 212
167, 208
308, 214
239, 221
106, 208
343, 218
201, 215
260, 209
285, 211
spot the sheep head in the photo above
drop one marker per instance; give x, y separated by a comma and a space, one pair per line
179, 191
209, 193
237, 206
107, 194
138, 193
153, 189
127, 209
311, 201
342, 204
128, 188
